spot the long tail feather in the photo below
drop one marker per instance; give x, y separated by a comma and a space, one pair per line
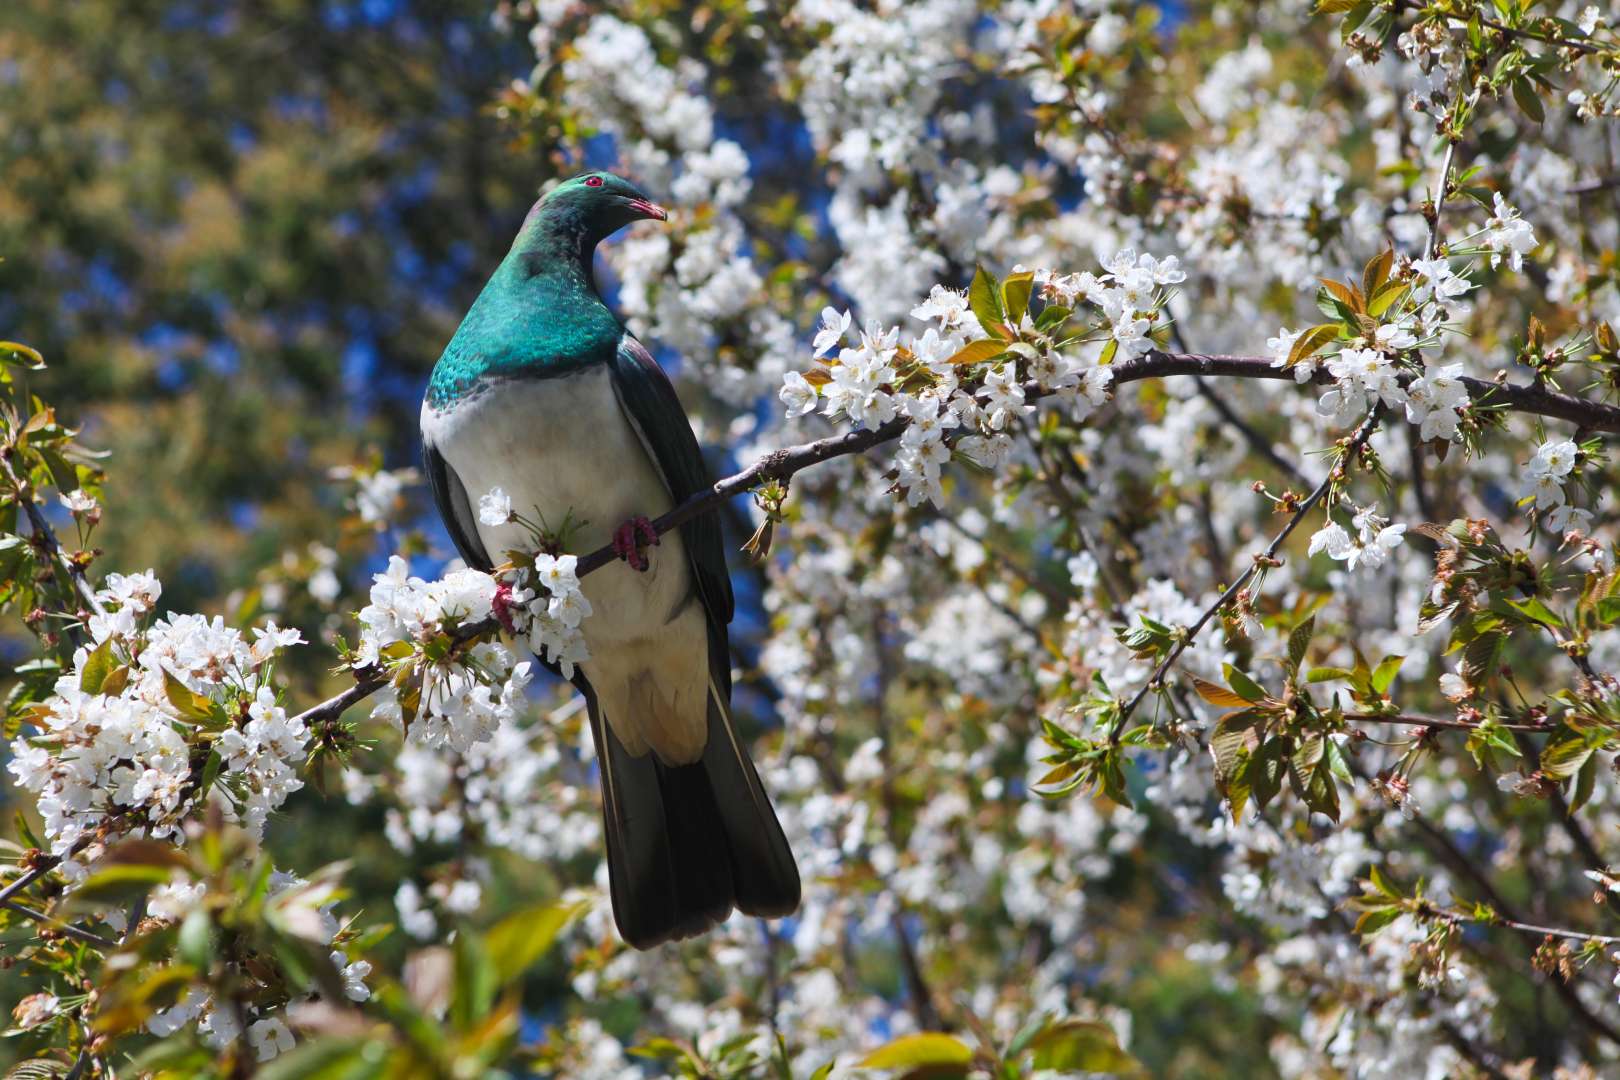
765, 877
687, 843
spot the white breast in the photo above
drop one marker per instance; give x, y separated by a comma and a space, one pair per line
558, 447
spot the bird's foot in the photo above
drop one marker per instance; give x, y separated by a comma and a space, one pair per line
632, 539
502, 607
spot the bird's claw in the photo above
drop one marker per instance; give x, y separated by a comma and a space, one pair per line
502, 607
631, 540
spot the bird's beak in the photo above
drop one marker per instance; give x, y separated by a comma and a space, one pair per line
649, 210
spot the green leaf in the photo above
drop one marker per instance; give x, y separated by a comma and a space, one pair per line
38, 1069
97, 666
925, 1048
120, 884
117, 681
1566, 752
1383, 675
1585, 781
1371, 922
518, 940
475, 982
1300, 640
1480, 655
1051, 317
25, 832
186, 701
1337, 763
1245, 687
196, 940
13, 352
1015, 295
1525, 96
13, 551
1083, 1046
984, 298
211, 769
1267, 767
1376, 272
1382, 300
63, 474
1321, 793
1534, 610
1312, 341
1347, 295
1228, 741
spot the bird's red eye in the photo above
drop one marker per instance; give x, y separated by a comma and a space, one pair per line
593, 181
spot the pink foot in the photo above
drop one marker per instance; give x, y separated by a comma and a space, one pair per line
502, 606
631, 540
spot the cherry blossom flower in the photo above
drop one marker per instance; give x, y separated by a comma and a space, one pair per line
495, 507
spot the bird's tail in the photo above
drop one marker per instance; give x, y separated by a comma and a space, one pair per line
687, 843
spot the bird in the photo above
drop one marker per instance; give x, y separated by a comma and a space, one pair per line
543, 393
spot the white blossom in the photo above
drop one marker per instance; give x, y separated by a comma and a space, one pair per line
494, 507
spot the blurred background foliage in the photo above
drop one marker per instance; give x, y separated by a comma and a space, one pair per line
242, 233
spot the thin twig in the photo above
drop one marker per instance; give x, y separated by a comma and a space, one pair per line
1435, 722
1431, 245
44, 866
1594, 186
1553, 931
1511, 31
47, 535
65, 928
1450, 853
1363, 433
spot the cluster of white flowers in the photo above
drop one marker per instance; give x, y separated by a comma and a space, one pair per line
1432, 401
520, 791
1375, 539
118, 732
1543, 487
1369, 370
944, 390
1361, 375
1508, 235
1128, 294
461, 697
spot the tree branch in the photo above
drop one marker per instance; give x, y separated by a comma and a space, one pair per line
1448, 851
46, 536
1434, 722
65, 928
782, 464
1363, 433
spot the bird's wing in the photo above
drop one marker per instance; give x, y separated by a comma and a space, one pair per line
649, 401
455, 508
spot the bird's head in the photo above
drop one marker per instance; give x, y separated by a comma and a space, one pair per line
593, 205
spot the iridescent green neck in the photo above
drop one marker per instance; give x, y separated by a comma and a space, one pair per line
539, 314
